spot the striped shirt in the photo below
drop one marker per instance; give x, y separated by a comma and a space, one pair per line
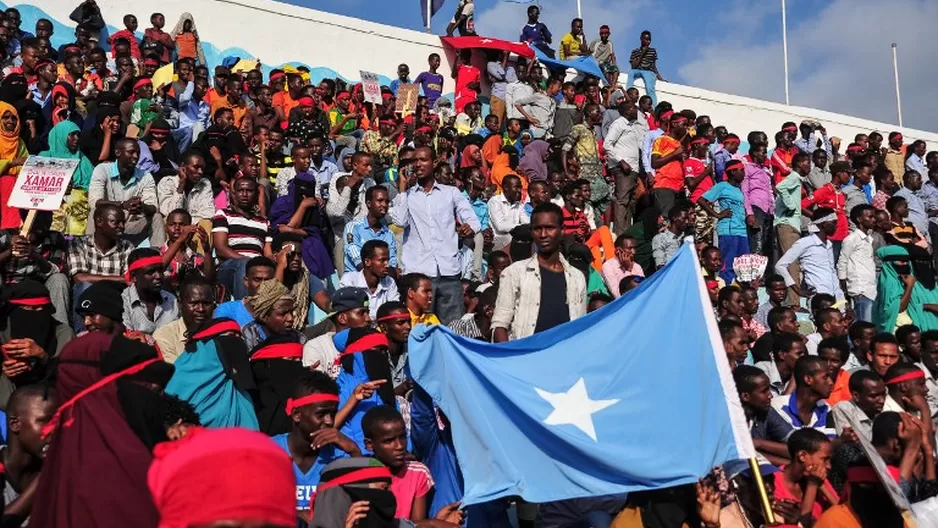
246, 235
646, 58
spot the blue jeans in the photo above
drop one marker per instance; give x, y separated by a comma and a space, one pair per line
731, 247
231, 273
864, 308
448, 303
649, 78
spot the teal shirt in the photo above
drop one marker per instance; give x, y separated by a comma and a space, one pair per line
730, 197
788, 202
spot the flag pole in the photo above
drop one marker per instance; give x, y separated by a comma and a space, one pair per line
579, 9
428, 15
766, 505
785, 49
895, 71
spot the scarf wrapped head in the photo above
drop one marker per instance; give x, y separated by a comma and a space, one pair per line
346, 481
533, 162
94, 452
269, 292
889, 288
201, 479
58, 148
317, 259
466, 158
276, 378
10, 141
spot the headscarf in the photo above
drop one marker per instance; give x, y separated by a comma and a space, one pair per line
346, 151
198, 42
889, 289
212, 475
268, 294
35, 323
94, 453
315, 256
466, 157
11, 146
346, 481
91, 142
58, 140
532, 163
502, 168
213, 375
276, 364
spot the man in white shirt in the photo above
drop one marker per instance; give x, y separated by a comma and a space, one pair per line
856, 266
623, 145
815, 254
374, 276
506, 211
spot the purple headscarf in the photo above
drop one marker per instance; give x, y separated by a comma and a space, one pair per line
315, 255
532, 163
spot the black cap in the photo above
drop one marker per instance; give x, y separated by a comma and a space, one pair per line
345, 299
102, 298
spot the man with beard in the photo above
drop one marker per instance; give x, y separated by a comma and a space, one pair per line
196, 304
146, 305
30, 336
30, 408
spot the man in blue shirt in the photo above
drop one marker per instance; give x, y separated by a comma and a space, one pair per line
314, 441
403, 77
258, 270
372, 227
434, 217
536, 33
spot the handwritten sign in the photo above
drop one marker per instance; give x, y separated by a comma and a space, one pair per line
371, 87
42, 182
406, 102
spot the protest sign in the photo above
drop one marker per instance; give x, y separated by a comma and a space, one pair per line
406, 103
42, 182
371, 87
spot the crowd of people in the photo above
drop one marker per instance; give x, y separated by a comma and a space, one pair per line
224, 299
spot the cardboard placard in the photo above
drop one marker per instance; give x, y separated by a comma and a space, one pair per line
371, 87
42, 182
406, 102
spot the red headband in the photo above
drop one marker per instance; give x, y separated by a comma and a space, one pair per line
386, 96
423, 129
393, 317
306, 101
359, 475
733, 165
677, 119
145, 262
698, 140
294, 403
854, 148
160, 130
343, 95
866, 474
917, 374
217, 329
141, 83
712, 284
275, 76
388, 122
897, 136
366, 343
729, 140
279, 351
151, 62
31, 301
790, 128
666, 115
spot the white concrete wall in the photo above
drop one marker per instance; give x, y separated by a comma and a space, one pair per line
278, 33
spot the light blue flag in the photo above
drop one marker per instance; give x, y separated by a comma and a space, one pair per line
635, 396
585, 64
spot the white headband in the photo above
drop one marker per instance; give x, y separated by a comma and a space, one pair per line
829, 218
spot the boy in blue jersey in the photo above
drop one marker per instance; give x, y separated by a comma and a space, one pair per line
314, 440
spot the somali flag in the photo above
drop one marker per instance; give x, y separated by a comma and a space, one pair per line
635, 396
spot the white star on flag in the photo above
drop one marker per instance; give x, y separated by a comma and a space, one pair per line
574, 407
485, 41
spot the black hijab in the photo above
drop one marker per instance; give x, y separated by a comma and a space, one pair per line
276, 366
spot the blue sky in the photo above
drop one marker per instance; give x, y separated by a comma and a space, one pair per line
839, 50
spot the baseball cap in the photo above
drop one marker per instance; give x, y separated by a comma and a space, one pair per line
350, 298
102, 298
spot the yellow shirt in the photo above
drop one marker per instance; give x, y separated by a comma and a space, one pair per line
427, 319
571, 42
171, 339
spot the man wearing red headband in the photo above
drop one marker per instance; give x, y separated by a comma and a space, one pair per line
314, 441
667, 159
147, 306
906, 385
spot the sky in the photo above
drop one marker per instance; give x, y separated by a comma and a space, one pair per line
840, 58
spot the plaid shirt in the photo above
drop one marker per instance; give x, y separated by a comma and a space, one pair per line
85, 257
16, 269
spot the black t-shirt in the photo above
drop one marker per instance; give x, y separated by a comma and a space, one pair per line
554, 310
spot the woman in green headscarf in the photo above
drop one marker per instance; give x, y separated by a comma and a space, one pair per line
905, 292
72, 218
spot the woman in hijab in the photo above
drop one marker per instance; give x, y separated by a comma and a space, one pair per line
34, 127
273, 307
363, 358
64, 106
533, 163
213, 374
905, 291
186, 36
72, 218
102, 435
99, 143
298, 213
344, 160
346, 483
13, 155
158, 150
472, 158
294, 275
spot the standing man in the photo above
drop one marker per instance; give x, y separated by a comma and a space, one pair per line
788, 209
807, 143
644, 63
895, 156
918, 216
667, 159
500, 73
506, 211
434, 216
856, 266
463, 20
543, 291
760, 202
815, 255
536, 33
623, 149
539, 108
582, 142
605, 54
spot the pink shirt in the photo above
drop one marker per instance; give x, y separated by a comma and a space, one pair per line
613, 273
412, 482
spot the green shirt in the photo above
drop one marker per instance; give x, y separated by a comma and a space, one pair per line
336, 116
595, 283
788, 202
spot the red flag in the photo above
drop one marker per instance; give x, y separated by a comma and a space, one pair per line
489, 43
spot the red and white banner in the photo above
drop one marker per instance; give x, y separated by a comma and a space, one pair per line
42, 182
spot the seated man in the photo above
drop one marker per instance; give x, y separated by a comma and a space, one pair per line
101, 256
122, 184
39, 256
257, 270
196, 303
576, 224
101, 308
805, 407
867, 397
349, 310
147, 306
374, 276
238, 234
189, 190
30, 337
769, 431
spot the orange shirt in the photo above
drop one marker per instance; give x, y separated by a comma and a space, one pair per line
840, 516
671, 176
841, 391
239, 110
212, 96
185, 46
286, 103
